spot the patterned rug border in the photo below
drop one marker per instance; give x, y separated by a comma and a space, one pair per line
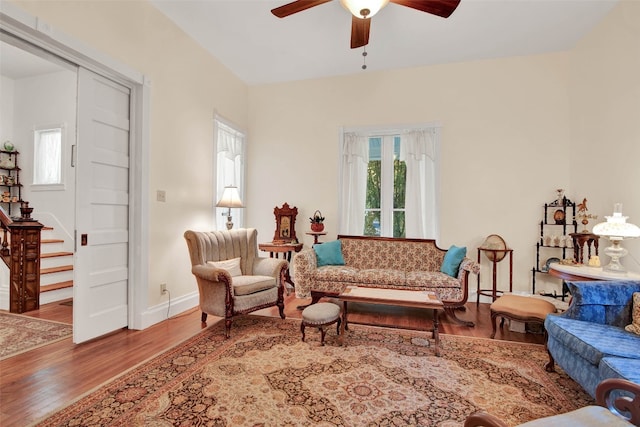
214, 331
35, 320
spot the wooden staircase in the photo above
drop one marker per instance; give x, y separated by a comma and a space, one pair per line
56, 268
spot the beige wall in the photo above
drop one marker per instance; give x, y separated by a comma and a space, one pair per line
605, 96
187, 87
514, 130
504, 146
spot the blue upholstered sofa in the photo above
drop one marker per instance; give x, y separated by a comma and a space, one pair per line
588, 341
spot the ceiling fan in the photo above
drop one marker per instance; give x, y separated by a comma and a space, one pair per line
363, 10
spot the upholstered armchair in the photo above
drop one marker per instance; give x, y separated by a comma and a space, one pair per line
232, 278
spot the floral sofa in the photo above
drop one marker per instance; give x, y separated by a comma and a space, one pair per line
589, 341
385, 263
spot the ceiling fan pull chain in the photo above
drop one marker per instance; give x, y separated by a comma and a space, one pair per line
364, 58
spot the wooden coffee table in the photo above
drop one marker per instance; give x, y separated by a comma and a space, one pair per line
394, 297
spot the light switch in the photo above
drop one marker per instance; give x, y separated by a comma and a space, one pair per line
161, 196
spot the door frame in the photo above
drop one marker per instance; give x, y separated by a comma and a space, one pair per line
22, 25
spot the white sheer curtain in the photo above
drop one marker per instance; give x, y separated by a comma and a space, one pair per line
418, 151
230, 166
355, 158
47, 157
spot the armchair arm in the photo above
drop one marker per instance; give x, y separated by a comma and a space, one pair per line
304, 264
625, 406
209, 275
603, 302
483, 419
273, 267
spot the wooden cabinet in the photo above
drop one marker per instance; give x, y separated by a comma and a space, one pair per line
10, 186
557, 227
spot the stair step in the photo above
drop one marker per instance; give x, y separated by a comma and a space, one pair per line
55, 254
43, 241
56, 286
56, 269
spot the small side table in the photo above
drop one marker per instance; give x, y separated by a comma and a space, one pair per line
579, 241
493, 292
286, 249
315, 235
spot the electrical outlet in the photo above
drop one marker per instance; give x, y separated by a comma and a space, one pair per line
163, 288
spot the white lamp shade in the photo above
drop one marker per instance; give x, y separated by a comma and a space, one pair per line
617, 226
355, 6
230, 198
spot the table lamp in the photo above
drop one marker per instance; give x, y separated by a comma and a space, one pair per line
616, 229
230, 199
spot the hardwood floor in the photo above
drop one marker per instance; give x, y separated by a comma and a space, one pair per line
40, 381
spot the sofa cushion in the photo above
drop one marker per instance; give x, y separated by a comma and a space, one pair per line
592, 341
329, 253
620, 367
245, 285
432, 279
452, 260
380, 276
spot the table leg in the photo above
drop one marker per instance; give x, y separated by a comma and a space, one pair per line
345, 325
436, 333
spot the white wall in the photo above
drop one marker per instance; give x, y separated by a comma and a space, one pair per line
513, 131
43, 101
504, 146
605, 95
6, 109
187, 87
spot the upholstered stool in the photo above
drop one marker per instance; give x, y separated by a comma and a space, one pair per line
320, 315
520, 308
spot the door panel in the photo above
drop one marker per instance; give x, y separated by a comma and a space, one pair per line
101, 276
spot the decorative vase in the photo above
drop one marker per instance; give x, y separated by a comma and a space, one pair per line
317, 227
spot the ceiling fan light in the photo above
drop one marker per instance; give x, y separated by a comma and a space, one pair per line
355, 6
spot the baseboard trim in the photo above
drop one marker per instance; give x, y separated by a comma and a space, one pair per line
175, 306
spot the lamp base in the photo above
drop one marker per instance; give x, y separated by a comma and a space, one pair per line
615, 251
229, 223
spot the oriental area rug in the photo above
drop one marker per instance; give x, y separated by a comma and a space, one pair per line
20, 333
264, 375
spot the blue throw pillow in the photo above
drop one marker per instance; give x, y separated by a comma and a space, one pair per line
329, 253
452, 260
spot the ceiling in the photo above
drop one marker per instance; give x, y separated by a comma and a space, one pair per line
260, 48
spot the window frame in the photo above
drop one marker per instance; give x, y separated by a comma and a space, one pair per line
387, 199
220, 214
38, 130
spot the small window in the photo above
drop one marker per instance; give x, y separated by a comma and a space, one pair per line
47, 156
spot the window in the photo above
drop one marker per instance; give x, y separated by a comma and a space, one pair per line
229, 161
388, 182
47, 156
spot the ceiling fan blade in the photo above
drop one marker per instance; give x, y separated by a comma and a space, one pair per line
359, 31
296, 6
443, 8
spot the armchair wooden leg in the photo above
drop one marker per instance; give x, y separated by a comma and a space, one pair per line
281, 309
203, 318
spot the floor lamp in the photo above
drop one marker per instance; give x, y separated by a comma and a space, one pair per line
230, 199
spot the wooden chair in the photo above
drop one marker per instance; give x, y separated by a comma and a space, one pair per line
615, 409
232, 278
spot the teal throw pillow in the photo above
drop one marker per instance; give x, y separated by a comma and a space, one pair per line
452, 260
329, 253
